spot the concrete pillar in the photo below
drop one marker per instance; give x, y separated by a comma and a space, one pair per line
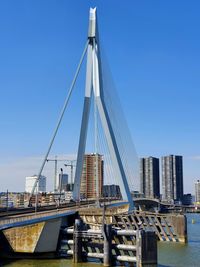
107, 246
179, 223
78, 255
146, 248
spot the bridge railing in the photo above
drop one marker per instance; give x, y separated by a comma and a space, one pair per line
34, 217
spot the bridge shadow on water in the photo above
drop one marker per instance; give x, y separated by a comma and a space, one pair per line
54, 263
7, 262
45, 263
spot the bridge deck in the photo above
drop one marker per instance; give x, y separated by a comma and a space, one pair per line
35, 217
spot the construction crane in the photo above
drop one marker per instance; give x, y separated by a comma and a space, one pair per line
71, 164
56, 168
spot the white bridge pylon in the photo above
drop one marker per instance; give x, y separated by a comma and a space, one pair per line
94, 85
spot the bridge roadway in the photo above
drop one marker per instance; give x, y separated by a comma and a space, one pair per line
18, 218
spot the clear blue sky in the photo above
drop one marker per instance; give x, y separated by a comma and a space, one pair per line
153, 49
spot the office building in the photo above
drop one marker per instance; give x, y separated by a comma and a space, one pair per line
43, 199
149, 177
62, 182
19, 201
172, 178
197, 191
91, 176
112, 191
137, 194
30, 181
187, 199
6, 201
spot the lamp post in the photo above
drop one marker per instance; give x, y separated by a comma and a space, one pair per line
36, 195
60, 184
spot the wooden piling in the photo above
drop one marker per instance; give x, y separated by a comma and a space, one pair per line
146, 248
142, 250
107, 246
77, 251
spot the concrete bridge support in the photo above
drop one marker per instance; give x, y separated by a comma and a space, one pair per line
180, 225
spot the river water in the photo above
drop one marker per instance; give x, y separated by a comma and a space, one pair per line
169, 254
182, 255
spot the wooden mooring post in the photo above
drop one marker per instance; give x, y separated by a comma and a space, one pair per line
107, 245
78, 247
146, 245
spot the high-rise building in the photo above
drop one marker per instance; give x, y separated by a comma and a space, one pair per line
62, 182
172, 178
41, 184
112, 191
187, 199
91, 176
197, 191
149, 177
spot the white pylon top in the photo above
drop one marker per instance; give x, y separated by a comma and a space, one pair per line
92, 23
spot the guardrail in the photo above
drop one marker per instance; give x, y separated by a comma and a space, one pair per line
33, 218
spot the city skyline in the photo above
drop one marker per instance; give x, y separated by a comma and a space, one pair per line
161, 82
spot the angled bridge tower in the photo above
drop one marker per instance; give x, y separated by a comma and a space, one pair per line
94, 85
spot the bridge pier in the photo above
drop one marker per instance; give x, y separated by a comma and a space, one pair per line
168, 227
180, 225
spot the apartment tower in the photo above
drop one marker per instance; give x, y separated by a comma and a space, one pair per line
172, 178
197, 191
149, 177
30, 181
92, 178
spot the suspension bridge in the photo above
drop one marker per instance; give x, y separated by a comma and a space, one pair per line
40, 231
